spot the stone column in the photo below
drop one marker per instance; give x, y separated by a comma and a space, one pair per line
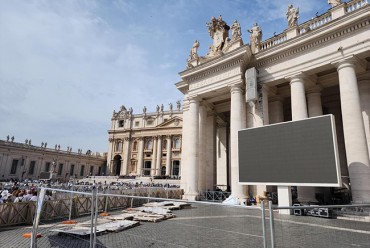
159, 156
315, 109
140, 155
364, 88
127, 155
354, 132
237, 122
314, 101
192, 144
210, 153
299, 112
169, 153
202, 147
276, 109
298, 98
154, 156
184, 146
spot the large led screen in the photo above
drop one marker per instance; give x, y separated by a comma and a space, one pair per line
295, 153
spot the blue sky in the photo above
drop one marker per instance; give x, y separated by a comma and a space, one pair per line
65, 65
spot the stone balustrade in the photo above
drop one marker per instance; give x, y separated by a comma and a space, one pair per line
356, 4
314, 23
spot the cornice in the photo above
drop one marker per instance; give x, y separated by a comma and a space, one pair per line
238, 57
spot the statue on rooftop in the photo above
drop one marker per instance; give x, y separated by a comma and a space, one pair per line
12, 138
219, 31
178, 105
144, 110
255, 36
7, 138
194, 50
236, 31
157, 108
292, 16
170, 106
334, 3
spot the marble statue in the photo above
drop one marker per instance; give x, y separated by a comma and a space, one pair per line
178, 105
144, 110
7, 138
255, 36
194, 50
219, 31
292, 16
162, 108
334, 3
170, 106
236, 31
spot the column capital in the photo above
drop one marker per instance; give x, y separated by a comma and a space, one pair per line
193, 98
351, 61
238, 87
296, 77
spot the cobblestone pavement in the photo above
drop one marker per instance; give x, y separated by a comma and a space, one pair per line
210, 226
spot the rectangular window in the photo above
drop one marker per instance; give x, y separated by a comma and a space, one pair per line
60, 169
47, 166
13, 170
91, 170
82, 171
118, 147
149, 122
32, 167
136, 123
99, 171
72, 170
121, 123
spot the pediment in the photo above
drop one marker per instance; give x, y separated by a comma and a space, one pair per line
173, 122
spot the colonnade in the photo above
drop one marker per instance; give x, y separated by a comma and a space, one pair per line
156, 156
304, 104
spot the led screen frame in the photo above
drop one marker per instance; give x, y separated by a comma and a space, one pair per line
294, 153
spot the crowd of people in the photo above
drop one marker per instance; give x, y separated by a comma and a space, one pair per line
16, 191
18, 195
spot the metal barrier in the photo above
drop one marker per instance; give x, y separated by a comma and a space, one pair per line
204, 224
22, 212
320, 226
186, 230
216, 196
